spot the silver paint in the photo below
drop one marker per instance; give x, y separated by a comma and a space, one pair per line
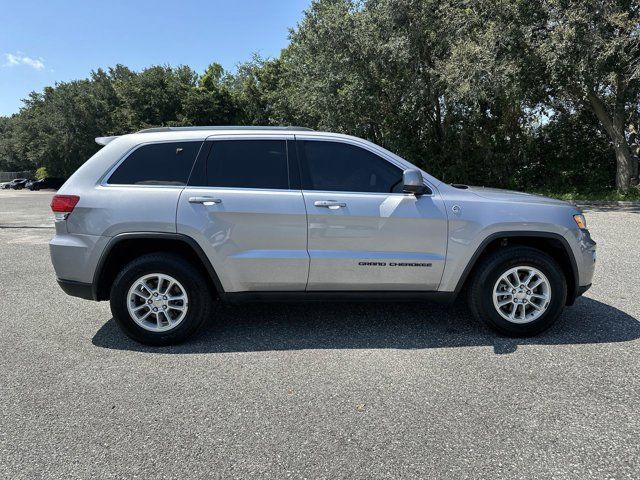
286, 240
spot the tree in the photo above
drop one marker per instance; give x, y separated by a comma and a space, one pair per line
375, 69
507, 93
259, 87
56, 129
563, 54
153, 96
211, 102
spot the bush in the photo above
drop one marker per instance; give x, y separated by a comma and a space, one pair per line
41, 173
568, 154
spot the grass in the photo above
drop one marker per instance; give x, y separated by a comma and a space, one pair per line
603, 195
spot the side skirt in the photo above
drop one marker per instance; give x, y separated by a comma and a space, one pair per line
338, 296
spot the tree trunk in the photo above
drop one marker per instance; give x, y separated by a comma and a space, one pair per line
624, 166
615, 130
634, 143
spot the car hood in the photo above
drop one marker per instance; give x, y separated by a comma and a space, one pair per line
512, 196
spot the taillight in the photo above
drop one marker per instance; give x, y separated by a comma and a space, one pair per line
64, 204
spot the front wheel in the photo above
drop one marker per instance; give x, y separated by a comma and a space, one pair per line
160, 299
518, 291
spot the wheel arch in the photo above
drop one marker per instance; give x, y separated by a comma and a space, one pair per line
125, 247
553, 244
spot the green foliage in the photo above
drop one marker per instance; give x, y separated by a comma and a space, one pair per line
525, 94
569, 153
56, 129
566, 55
41, 173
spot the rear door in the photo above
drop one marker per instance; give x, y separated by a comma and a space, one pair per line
247, 213
364, 233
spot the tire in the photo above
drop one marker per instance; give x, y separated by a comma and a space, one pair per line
532, 321
167, 266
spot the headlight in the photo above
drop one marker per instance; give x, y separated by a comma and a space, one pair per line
580, 221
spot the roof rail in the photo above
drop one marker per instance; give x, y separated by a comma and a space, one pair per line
221, 127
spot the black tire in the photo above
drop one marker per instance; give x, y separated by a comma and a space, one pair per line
196, 286
487, 273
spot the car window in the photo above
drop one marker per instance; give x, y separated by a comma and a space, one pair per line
157, 164
340, 167
248, 164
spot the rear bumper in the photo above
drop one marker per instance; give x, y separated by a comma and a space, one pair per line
75, 256
77, 289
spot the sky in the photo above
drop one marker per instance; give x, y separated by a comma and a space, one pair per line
50, 41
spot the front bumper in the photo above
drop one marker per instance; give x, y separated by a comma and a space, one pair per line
587, 260
583, 289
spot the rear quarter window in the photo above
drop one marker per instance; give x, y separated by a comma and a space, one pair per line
157, 164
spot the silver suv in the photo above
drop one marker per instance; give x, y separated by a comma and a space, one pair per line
164, 221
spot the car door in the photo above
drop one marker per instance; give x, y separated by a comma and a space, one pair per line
364, 233
246, 213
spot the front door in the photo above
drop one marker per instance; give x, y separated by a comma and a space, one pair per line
364, 233
243, 210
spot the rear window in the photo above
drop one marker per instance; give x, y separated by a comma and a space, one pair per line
157, 164
248, 164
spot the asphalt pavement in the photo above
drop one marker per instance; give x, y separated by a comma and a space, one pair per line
383, 390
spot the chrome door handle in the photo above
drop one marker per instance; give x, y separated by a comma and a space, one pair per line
204, 200
332, 204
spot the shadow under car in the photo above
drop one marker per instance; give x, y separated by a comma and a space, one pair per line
269, 326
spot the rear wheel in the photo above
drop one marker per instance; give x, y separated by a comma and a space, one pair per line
160, 299
518, 291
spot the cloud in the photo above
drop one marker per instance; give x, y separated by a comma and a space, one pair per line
14, 59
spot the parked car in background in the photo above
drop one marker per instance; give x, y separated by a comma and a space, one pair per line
14, 182
18, 184
48, 182
2, 185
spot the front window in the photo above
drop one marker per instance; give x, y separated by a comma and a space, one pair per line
340, 167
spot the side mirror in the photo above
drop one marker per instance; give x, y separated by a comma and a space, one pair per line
412, 182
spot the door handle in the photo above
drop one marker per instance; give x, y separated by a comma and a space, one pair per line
204, 200
332, 204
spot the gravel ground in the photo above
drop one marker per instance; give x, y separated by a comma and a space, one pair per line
316, 391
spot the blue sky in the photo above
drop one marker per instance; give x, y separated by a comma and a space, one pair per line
57, 40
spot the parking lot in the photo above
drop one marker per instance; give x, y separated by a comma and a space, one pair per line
316, 390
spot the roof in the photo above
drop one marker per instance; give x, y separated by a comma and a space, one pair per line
214, 128
120, 145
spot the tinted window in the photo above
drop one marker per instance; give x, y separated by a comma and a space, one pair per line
341, 167
157, 164
248, 164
